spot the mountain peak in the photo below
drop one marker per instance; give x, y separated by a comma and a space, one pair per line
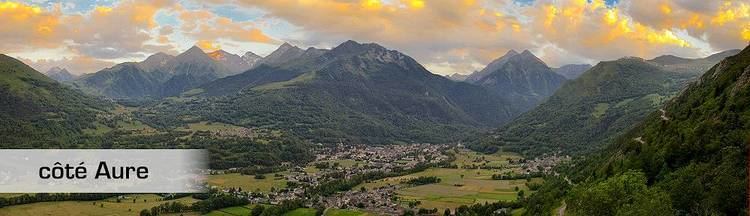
283, 54
528, 56
59, 74
219, 55
194, 49
250, 54
286, 45
156, 61
527, 52
160, 56
351, 47
284, 48
349, 43
220, 51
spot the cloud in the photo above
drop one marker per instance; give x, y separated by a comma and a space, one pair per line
594, 31
447, 36
447, 32
455, 35
124, 31
75, 65
116, 32
205, 26
26, 27
723, 24
208, 46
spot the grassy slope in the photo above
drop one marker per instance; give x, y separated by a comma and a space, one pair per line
691, 162
476, 185
39, 112
111, 207
588, 112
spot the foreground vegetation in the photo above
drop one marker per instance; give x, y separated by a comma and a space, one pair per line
687, 159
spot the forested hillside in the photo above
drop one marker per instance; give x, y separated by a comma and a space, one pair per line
688, 158
38, 112
362, 93
590, 111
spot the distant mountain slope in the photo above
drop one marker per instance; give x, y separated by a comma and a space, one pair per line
692, 152
38, 112
286, 53
591, 110
572, 71
159, 61
160, 75
457, 77
251, 59
60, 74
523, 79
491, 67
126, 80
234, 63
670, 60
358, 92
693, 66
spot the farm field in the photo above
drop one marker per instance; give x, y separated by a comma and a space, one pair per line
459, 186
468, 158
206, 126
248, 182
344, 212
101, 207
236, 210
346, 163
246, 210
301, 212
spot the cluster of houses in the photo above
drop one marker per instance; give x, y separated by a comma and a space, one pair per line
235, 132
374, 200
544, 164
369, 159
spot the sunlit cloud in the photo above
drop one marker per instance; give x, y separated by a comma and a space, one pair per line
208, 46
124, 31
447, 36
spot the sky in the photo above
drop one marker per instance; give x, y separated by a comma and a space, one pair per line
446, 36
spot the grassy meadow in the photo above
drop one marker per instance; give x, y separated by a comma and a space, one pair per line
248, 182
459, 186
109, 207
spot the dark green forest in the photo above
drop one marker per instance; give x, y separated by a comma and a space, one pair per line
690, 159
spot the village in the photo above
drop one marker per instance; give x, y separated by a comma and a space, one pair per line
371, 159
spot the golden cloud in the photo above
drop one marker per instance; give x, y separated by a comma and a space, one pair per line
427, 30
459, 34
28, 26
205, 25
432, 30
208, 46
721, 23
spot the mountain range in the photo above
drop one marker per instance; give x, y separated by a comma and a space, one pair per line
590, 111
572, 71
363, 93
60, 74
234, 63
521, 78
160, 75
